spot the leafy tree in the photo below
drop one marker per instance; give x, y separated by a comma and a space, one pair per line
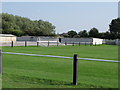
24, 26
101, 35
115, 26
72, 33
94, 33
77, 36
108, 35
83, 33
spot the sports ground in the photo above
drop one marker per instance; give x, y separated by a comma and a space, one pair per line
21, 71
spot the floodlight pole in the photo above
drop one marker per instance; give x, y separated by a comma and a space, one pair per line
75, 69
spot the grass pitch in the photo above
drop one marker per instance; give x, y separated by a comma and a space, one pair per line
42, 72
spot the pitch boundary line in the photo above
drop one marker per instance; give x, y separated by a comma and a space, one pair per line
61, 57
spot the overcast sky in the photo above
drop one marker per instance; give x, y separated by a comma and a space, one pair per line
67, 15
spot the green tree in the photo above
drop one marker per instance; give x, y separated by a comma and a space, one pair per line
114, 26
72, 33
24, 26
83, 33
109, 35
93, 32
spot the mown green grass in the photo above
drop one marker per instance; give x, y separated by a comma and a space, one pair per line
0, 81
101, 51
43, 72
0, 76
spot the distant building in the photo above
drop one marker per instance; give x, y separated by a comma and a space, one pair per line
82, 40
37, 38
7, 38
61, 39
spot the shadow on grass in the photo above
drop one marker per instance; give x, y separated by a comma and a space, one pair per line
47, 82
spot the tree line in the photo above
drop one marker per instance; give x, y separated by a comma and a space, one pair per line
112, 33
21, 26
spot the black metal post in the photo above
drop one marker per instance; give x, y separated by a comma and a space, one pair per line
12, 44
75, 69
37, 44
48, 43
0, 61
25, 43
85, 43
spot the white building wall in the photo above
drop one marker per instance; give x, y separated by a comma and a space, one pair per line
84, 40
7, 39
97, 41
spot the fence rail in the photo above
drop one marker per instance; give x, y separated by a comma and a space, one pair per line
61, 57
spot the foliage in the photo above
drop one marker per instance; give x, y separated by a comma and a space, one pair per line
115, 26
83, 33
93, 32
113, 33
23, 26
72, 33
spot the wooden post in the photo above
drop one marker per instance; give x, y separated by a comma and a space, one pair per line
12, 44
37, 44
75, 69
79, 43
48, 43
25, 43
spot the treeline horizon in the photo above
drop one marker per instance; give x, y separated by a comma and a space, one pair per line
93, 33
22, 26
112, 33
